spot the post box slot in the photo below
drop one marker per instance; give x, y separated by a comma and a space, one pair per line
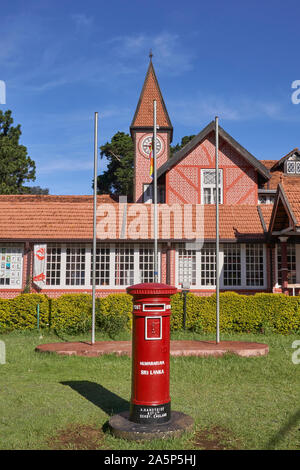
154, 308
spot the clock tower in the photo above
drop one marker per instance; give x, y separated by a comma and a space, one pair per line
141, 130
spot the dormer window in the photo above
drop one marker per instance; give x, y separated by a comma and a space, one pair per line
292, 165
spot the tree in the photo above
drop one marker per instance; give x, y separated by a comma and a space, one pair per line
16, 166
117, 179
35, 190
185, 140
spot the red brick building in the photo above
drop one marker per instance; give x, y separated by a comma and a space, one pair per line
259, 221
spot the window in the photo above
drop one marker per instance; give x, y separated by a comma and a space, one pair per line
208, 186
266, 199
124, 264
254, 265
148, 193
232, 265
208, 265
53, 270
11, 265
292, 165
291, 263
186, 265
241, 266
146, 263
75, 265
102, 265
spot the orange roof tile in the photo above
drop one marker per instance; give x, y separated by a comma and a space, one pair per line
143, 116
42, 217
291, 188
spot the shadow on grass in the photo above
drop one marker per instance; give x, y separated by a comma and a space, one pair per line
108, 401
283, 431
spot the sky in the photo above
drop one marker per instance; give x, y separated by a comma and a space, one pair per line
62, 61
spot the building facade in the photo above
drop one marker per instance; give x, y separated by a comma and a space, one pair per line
46, 241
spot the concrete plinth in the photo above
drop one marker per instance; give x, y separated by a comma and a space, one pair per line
122, 427
178, 348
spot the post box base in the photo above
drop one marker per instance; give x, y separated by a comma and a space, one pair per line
121, 426
143, 414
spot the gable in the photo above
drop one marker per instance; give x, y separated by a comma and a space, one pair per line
238, 175
210, 129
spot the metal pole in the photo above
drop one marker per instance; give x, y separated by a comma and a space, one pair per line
94, 226
217, 235
155, 193
184, 309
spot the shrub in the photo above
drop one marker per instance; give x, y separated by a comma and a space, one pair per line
6, 323
21, 312
71, 313
114, 313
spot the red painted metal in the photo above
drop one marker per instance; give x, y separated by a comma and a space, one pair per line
150, 390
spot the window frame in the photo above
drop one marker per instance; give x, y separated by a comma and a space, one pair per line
87, 286
242, 286
211, 186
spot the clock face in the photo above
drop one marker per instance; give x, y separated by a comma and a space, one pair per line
147, 145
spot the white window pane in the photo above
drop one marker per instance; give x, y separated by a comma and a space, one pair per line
102, 264
53, 270
207, 196
232, 268
75, 265
124, 264
254, 265
186, 265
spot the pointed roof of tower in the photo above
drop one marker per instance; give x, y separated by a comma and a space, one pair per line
143, 116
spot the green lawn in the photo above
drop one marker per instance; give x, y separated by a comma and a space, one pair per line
49, 401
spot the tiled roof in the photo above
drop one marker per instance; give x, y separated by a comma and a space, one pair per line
291, 189
235, 222
266, 213
71, 218
144, 112
269, 163
47, 217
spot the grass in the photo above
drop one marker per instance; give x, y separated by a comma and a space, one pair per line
50, 402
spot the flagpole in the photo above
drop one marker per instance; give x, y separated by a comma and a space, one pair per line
217, 235
155, 192
94, 227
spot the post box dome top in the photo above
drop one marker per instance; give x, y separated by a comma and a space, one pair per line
151, 288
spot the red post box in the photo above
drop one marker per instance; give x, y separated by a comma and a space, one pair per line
150, 386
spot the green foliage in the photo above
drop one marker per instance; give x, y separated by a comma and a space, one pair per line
185, 140
117, 179
258, 313
114, 313
71, 313
21, 312
16, 166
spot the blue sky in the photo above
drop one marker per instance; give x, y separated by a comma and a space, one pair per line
62, 61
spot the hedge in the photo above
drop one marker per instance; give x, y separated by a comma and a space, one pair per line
72, 313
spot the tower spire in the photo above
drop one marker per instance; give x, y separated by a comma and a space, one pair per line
150, 55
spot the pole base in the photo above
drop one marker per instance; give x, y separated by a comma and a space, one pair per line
149, 415
121, 426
